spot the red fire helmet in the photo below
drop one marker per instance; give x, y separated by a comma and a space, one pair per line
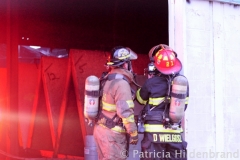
165, 60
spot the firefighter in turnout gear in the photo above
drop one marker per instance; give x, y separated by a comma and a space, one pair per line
162, 131
115, 121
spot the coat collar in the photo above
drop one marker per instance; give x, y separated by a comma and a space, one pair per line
124, 72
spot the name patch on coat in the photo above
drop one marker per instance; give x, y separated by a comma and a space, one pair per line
166, 137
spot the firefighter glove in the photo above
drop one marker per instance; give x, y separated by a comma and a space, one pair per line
133, 138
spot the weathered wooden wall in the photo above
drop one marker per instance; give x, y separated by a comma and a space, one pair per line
51, 101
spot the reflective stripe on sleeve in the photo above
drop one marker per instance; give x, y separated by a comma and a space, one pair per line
129, 119
156, 101
109, 107
139, 98
130, 103
112, 107
186, 100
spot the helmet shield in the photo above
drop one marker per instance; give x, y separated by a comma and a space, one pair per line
133, 55
120, 55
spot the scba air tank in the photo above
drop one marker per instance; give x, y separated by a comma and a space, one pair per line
178, 98
91, 99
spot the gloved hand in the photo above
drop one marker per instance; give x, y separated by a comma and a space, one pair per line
133, 138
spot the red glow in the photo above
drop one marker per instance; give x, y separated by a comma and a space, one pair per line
3, 90
49, 154
3, 104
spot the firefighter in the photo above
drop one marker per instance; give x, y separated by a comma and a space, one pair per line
116, 116
162, 138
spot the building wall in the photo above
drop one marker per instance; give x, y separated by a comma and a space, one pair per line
208, 44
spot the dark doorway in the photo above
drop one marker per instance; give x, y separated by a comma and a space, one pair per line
92, 24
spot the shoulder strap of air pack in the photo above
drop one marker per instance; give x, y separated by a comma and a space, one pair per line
108, 77
109, 121
117, 76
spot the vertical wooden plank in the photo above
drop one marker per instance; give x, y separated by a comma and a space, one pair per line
3, 110
54, 72
180, 32
41, 129
84, 64
28, 78
63, 109
218, 47
12, 75
171, 23
230, 77
34, 107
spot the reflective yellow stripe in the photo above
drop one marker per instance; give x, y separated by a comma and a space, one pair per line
112, 107
160, 128
129, 119
139, 98
186, 102
102, 125
156, 101
119, 129
116, 128
109, 107
110, 63
130, 103
124, 57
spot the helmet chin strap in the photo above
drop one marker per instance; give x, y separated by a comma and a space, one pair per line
130, 66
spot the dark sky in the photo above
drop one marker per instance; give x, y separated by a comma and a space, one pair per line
92, 24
